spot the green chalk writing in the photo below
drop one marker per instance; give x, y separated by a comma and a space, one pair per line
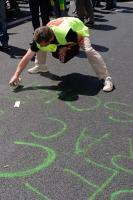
34, 190
51, 135
46, 162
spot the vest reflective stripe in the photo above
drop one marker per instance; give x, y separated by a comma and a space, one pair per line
48, 48
61, 27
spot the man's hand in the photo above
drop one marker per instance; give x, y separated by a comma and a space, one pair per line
15, 81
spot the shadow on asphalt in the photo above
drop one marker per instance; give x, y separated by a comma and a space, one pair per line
104, 27
100, 48
103, 11
18, 22
17, 53
100, 20
71, 86
124, 9
14, 52
99, 16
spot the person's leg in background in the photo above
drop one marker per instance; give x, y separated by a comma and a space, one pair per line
84, 10
4, 38
37, 6
14, 5
57, 8
98, 4
110, 4
34, 9
80, 9
115, 3
97, 64
89, 12
45, 8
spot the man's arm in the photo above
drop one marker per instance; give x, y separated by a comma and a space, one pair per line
79, 39
21, 66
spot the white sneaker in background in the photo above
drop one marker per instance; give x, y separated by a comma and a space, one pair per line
108, 85
38, 69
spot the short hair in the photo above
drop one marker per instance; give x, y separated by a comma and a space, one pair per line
43, 33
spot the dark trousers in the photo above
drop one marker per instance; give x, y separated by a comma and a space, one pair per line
44, 6
110, 4
57, 8
84, 8
13, 4
3, 24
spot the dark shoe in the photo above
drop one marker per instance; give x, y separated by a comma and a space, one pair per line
90, 23
5, 46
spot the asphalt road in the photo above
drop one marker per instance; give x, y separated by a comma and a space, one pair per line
67, 139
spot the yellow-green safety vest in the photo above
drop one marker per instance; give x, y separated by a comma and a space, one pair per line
61, 27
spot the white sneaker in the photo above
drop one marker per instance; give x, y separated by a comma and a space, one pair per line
108, 85
38, 69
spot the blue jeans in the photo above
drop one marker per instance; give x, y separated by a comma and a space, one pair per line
4, 37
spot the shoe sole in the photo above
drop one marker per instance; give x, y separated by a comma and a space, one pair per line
37, 72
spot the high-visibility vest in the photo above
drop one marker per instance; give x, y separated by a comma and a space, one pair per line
61, 27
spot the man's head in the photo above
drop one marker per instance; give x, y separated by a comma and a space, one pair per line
43, 35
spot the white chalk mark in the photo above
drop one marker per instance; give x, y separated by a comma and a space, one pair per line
17, 104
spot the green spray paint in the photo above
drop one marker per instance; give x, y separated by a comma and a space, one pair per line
1, 113
78, 150
51, 135
46, 162
83, 179
98, 189
34, 190
107, 182
116, 158
76, 109
130, 148
124, 191
12, 98
84, 135
109, 105
46, 98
